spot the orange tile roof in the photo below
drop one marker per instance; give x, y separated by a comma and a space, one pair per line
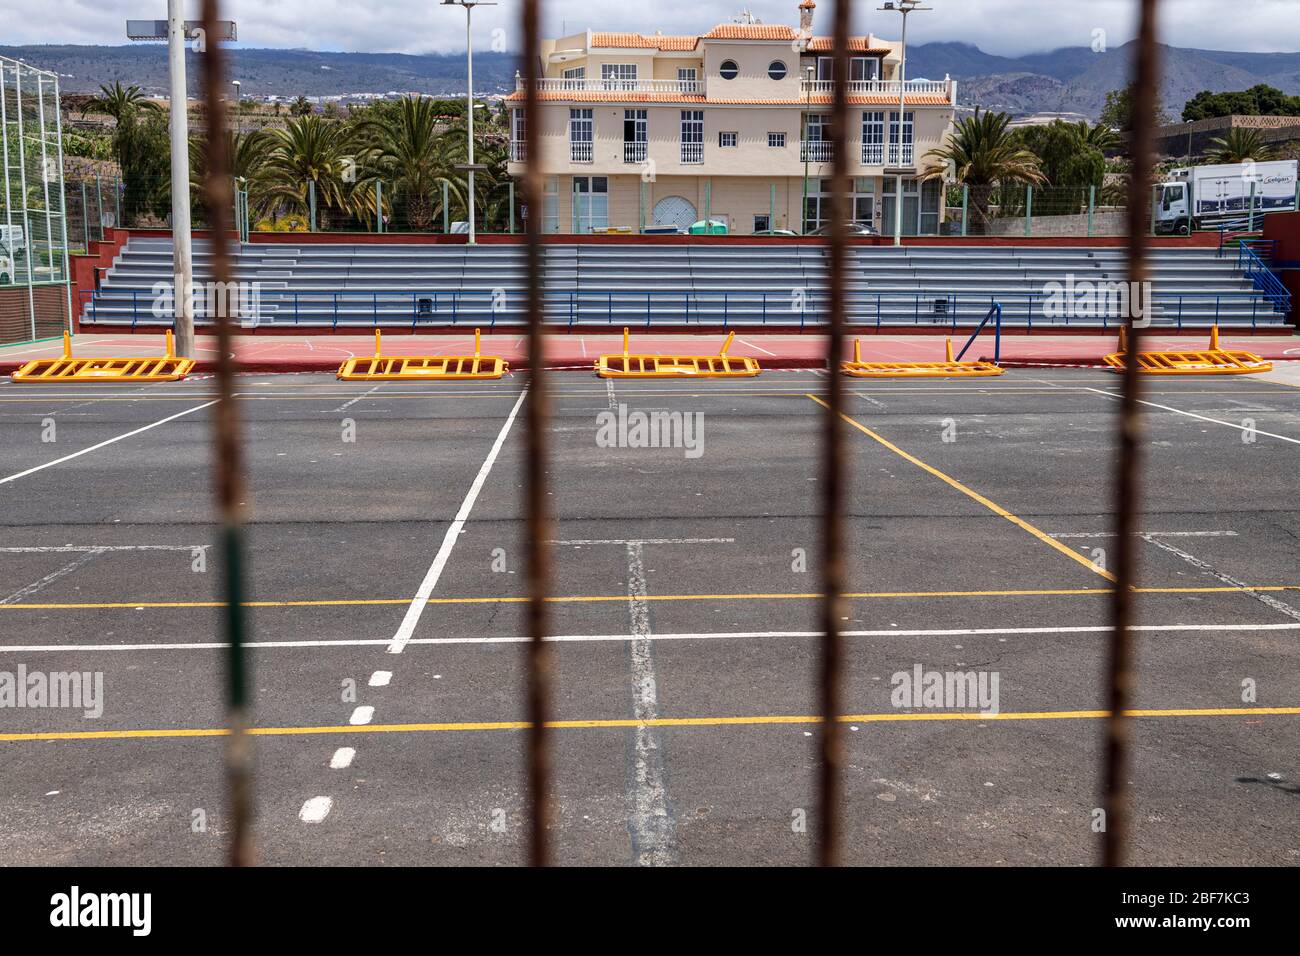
750, 31
856, 44
639, 41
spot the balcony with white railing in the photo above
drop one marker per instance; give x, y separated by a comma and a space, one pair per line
692, 153
581, 152
816, 151
909, 154
888, 88
615, 86
518, 151
873, 154
635, 152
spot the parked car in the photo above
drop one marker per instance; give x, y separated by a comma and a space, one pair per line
775, 232
855, 229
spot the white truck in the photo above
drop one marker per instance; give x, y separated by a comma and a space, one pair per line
1198, 196
12, 247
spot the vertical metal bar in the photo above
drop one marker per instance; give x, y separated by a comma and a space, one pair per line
229, 453
63, 203
311, 202
1120, 663
965, 207
536, 508
446, 215
379, 205
1092, 205
832, 504
22, 194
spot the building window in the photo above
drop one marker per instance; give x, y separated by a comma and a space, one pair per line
618, 76
873, 138
580, 136
762, 223
727, 140
728, 70
635, 136
907, 139
817, 146
861, 68
688, 80
817, 209
776, 140
776, 70
692, 136
518, 139
575, 78
551, 205
590, 203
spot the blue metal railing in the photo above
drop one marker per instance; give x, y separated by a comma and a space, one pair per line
1054, 306
1261, 276
994, 313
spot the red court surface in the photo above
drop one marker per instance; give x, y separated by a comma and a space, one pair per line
306, 353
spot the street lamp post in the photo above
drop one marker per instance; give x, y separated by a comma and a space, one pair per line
238, 124
904, 7
469, 6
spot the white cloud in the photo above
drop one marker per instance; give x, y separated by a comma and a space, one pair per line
1008, 27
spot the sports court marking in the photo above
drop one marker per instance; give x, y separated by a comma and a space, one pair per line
975, 495
1203, 418
658, 636
615, 598
321, 804
106, 443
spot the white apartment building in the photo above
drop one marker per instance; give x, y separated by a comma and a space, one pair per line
651, 130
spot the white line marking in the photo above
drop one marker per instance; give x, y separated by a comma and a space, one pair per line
80, 548
617, 638
346, 405
654, 836
1213, 421
49, 579
362, 715
342, 758
380, 678
1148, 534
315, 810
757, 348
592, 541
420, 601
104, 444
1266, 599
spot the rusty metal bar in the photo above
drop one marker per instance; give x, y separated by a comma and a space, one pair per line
1120, 664
229, 466
833, 477
536, 510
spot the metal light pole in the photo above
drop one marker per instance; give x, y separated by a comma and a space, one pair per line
182, 253
469, 6
904, 7
238, 126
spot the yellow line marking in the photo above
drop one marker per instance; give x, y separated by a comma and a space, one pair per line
617, 598
975, 495
625, 723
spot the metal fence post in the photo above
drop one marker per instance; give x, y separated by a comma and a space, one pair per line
965, 207
311, 202
379, 205
1029, 211
446, 212
1092, 202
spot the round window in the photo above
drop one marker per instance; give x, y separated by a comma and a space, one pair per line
776, 70
728, 70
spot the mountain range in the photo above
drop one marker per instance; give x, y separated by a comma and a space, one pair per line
1070, 79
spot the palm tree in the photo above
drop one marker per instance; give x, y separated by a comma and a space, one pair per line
248, 152
1100, 136
409, 149
117, 101
1239, 146
312, 150
982, 154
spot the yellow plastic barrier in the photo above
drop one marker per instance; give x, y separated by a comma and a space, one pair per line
722, 365
1211, 361
417, 368
945, 369
68, 369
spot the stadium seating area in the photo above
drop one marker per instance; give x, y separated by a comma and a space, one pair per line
598, 284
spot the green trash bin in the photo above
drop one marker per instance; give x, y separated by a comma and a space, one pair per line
711, 228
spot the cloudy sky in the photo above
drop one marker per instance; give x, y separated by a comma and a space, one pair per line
1007, 27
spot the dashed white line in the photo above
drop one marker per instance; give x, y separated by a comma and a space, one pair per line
315, 810
364, 714
346, 405
1203, 418
380, 678
342, 758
